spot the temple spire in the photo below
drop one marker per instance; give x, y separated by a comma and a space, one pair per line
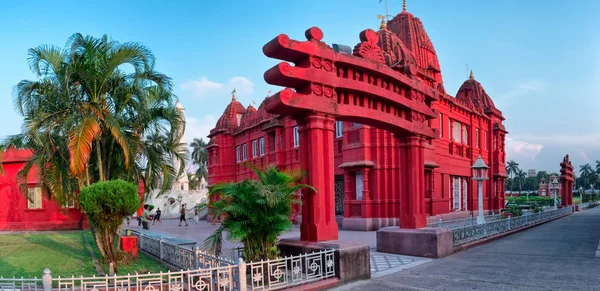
383, 25
233, 95
404, 6
471, 77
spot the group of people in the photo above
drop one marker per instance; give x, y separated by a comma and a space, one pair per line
145, 216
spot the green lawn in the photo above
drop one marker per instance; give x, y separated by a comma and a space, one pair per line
64, 253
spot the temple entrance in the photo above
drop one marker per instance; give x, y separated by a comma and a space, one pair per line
324, 86
339, 194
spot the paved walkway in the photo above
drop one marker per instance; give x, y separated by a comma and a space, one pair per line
381, 263
559, 255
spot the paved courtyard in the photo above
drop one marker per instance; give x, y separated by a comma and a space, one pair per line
559, 255
381, 263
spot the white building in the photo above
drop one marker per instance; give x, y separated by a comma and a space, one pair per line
170, 202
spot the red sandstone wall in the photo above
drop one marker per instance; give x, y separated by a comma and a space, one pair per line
14, 214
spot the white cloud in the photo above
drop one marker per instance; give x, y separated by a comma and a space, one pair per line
522, 150
591, 139
199, 128
204, 88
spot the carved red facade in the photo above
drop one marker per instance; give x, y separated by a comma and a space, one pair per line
394, 124
19, 213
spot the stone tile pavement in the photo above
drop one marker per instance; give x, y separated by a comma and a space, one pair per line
381, 263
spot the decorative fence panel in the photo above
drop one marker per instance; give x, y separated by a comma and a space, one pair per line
290, 271
458, 223
478, 231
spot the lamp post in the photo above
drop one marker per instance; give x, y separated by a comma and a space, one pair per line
555, 188
479, 174
593, 194
580, 197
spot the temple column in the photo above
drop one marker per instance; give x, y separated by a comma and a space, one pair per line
347, 194
412, 182
316, 157
366, 210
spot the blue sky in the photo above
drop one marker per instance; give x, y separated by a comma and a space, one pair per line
537, 59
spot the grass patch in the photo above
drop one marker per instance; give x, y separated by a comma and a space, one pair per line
143, 264
64, 253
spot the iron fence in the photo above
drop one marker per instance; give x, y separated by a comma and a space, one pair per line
458, 223
475, 232
200, 271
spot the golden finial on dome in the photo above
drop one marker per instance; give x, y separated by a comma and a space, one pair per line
383, 25
233, 95
404, 5
471, 77
268, 93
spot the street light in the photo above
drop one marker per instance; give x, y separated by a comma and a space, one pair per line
555, 187
479, 174
580, 197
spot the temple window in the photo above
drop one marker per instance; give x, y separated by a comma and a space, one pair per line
456, 129
355, 124
465, 135
34, 198
261, 143
485, 141
465, 194
254, 148
359, 185
296, 137
238, 153
244, 154
441, 125
69, 203
339, 126
477, 137
495, 143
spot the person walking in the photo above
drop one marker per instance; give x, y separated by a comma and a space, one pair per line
182, 217
146, 217
196, 217
157, 217
140, 212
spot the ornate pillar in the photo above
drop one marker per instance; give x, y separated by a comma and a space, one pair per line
316, 157
347, 194
366, 210
412, 182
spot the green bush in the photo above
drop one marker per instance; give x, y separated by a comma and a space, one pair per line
106, 204
515, 210
255, 212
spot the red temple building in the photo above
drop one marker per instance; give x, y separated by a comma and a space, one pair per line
32, 211
367, 162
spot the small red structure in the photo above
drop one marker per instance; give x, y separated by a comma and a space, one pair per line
381, 140
567, 178
129, 244
38, 212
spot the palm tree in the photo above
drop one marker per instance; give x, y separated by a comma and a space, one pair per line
521, 176
200, 157
255, 212
586, 172
96, 98
512, 168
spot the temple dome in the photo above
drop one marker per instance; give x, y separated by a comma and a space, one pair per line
231, 117
412, 33
472, 94
395, 52
262, 113
248, 117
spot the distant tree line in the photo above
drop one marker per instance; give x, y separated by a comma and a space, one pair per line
518, 180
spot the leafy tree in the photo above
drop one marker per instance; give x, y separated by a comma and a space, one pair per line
194, 182
255, 212
106, 204
587, 174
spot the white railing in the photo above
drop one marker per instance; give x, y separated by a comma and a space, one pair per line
179, 256
290, 271
458, 223
203, 212
264, 275
479, 231
589, 204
